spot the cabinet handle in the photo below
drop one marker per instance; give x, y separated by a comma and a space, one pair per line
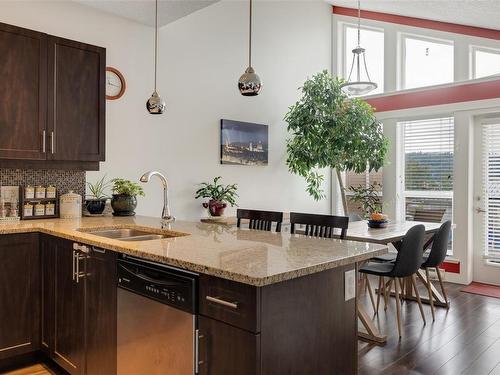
52, 143
197, 351
43, 141
218, 300
98, 250
73, 264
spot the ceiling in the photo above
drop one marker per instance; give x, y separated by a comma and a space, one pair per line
143, 11
482, 13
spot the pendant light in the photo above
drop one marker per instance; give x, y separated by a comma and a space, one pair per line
249, 83
155, 104
358, 87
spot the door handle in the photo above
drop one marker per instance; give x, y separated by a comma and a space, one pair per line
52, 143
43, 141
480, 210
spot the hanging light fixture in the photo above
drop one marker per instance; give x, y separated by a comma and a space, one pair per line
249, 83
155, 104
358, 87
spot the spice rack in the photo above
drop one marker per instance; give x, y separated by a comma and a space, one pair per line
34, 201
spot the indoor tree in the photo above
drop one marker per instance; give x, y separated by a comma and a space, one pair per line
330, 130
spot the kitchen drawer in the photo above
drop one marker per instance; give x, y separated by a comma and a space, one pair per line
230, 302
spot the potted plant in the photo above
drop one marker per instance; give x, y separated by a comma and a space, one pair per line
124, 200
331, 130
370, 203
95, 202
219, 196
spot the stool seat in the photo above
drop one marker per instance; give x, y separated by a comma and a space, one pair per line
377, 269
385, 258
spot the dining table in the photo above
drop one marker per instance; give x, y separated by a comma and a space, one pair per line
391, 235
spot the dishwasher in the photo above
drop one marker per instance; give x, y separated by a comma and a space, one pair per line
157, 326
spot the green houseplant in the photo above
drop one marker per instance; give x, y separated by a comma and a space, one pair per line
219, 196
368, 198
124, 200
95, 202
330, 130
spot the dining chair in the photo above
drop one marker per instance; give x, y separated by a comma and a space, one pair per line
261, 220
407, 264
435, 258
320, 225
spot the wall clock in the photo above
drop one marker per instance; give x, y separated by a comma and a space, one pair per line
115, 84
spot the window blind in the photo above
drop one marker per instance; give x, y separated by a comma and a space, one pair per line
491, 189
428, 154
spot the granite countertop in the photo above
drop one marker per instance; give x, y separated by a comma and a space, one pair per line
249, 256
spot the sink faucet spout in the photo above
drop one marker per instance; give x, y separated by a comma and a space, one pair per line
165, 215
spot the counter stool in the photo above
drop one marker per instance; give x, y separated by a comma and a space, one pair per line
261, 220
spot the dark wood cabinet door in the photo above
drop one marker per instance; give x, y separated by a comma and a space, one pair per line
23, 93
227, 350
76, 101
19, 291
69, 317
48, 248
101, 302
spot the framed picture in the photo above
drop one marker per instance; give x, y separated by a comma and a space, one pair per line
243, 143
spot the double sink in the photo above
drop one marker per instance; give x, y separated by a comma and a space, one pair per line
131, 234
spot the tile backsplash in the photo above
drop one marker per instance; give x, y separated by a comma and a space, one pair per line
62, 180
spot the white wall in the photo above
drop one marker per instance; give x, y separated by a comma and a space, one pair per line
201, 58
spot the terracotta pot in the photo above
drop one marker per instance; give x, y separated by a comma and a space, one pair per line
215, 208
123, 205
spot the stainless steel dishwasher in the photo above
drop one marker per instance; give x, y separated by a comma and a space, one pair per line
156, 319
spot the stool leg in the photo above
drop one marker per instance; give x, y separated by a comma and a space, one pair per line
429, 291
387, 291
442, 287
370, 292
380, 290
419, 301
398, 305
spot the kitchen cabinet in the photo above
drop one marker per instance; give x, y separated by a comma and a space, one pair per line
225, 349
52, 101
23, 93
19, 291
76, 100
79, 306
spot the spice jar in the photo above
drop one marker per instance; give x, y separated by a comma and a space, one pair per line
39, 209
28, 210
39, 192
50, 209
29, 192
51, 192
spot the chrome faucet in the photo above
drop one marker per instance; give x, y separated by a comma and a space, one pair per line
165, 215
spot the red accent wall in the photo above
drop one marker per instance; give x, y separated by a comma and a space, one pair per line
436, 96
420, 22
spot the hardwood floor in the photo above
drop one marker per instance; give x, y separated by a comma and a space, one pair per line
38, 369
463, 340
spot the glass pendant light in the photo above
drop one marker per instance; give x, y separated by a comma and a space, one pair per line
249, 83
358, 87
155, 104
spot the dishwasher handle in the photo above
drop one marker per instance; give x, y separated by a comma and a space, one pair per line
142, 276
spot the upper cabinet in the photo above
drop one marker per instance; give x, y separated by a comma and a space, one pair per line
52, 101
23, 93
76, 87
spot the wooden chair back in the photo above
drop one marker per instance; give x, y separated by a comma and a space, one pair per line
260, 220
320, 225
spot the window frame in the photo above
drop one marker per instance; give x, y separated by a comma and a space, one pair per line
341, 63
401, 53
473, 48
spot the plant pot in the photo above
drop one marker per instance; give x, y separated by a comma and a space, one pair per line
215, 208
95, 206
123, 205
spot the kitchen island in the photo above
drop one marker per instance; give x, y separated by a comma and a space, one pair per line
286, 305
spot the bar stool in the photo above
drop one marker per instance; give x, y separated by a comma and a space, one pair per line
408, 262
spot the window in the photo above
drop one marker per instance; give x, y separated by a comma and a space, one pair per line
362, 179
373, 41
485, 62
427, 163
425, 62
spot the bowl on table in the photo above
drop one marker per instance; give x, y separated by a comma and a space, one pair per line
378, 223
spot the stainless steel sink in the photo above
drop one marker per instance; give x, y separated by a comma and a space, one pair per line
125, 234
